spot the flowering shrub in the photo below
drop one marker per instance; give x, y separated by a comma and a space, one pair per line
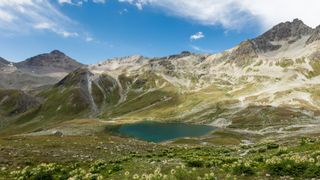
42, 171
207, 163
293, 165
98, 166
243, 168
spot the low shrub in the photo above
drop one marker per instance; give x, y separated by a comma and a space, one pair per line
272, 146
243, 169
195, 163
293, 165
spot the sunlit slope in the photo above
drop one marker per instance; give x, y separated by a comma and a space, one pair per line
262, 84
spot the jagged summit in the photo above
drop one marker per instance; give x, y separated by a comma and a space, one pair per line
54, 61
288, 31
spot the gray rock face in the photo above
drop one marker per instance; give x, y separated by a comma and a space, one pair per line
284, 31
167, 64
55, 61
288, 31
3, 62
181, 55
315, 36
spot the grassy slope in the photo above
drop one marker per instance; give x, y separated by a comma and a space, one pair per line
109, 157
57, 107
14, 102
150, 96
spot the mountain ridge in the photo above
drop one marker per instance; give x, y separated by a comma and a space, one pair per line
281, 31
238, 88
41, 70
55, 61
3, 62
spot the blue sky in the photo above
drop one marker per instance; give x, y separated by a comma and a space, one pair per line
95, 30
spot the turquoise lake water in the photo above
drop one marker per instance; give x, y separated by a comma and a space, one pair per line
160, 132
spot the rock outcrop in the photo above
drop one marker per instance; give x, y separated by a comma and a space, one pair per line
288, 31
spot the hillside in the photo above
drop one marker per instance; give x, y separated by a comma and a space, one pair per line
41, 70
264, 85
260, 101
3, 62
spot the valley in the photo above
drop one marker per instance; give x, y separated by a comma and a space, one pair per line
261, 99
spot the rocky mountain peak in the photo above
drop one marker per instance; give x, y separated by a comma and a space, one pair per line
57, 53
287, 31
54, 61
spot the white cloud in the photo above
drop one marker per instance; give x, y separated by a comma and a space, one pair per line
197, 36
138, 3
199, 49
99, 1
24, 16
123, 11
271, 12
234, 14
5, 16
80, 2
67, 34
65, 1
43, 25
89, 39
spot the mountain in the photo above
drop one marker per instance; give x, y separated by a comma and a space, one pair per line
13, 104
288, 32
6, 66
265, 85
315, 36
41, 70
52, 62
3, 62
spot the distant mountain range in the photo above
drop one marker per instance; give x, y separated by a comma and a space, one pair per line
263, 85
